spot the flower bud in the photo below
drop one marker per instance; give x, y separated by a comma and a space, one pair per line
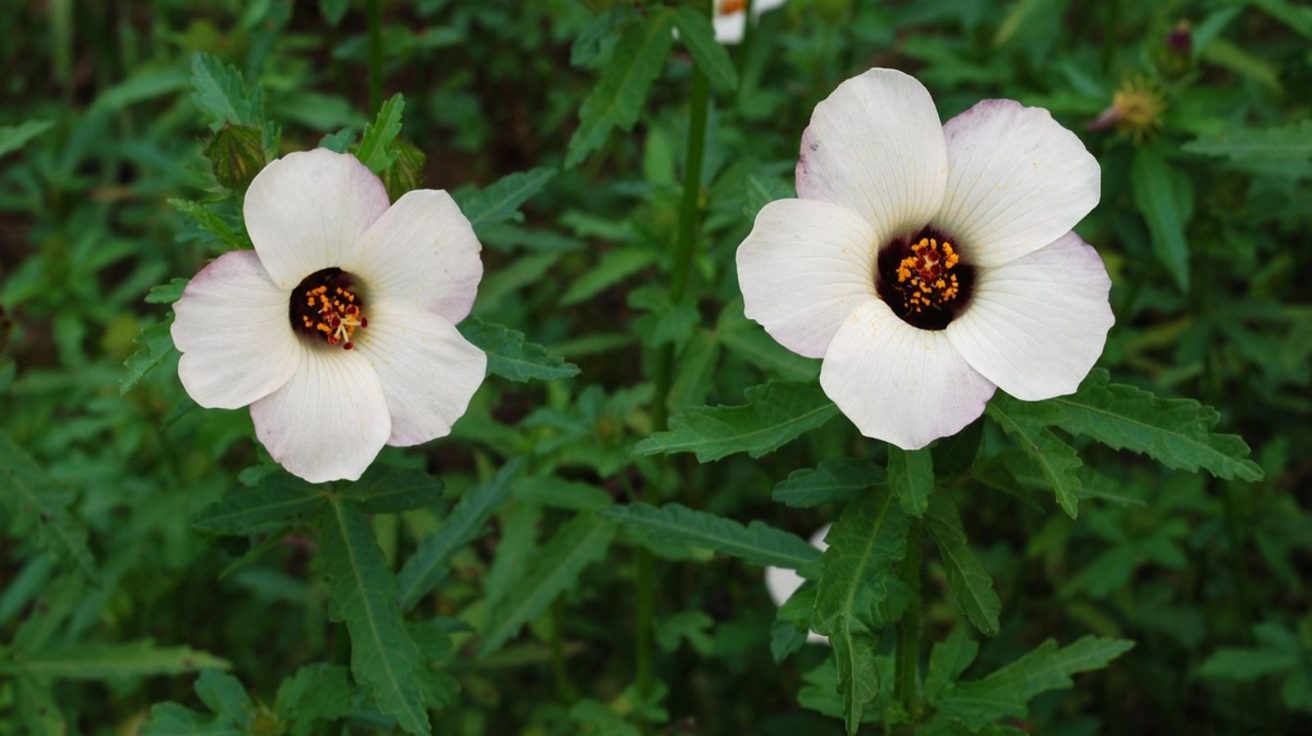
407, 172
236, 155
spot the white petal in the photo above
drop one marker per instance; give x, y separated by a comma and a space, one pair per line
805, 266
427, 369
875, 145
1017, 181
900, 384
422, 251
329, 421
729, 28
782, 582
1037, 325
233, 330
307, 210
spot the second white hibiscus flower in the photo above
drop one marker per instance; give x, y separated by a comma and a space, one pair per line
339, 329
930, 264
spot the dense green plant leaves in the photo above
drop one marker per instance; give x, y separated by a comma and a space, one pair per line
696, 32
313, 694
948, 660
679, 525
1165, 200
911, 479
376, 150
210, 223
500, 202
837, 480
1277, 651
617, 100
14, 137
156, 344
428, 566
384, 659
219, 91
864, 542
562, 494
385, 490
968, 580
278, 499
613, 267
38, 511
1056, 460
579, 543
1007, 691
96, 661
1175, 432
510, 356
167, 293
1242, 144
774, 414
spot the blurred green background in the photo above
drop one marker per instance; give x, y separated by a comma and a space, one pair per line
1205, 225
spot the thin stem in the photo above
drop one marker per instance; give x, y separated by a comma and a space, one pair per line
906, 680
745, 48
374, 11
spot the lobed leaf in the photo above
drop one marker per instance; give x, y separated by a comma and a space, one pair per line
1056, 460
1165, 199
384, 659
969, 581
219, 91
499, 202
388, 490
836, 480
710, 56
156, 344
278, 499
428, 565
756, 543
774, 414
1286, 142
512, 357
911, 478
556, 568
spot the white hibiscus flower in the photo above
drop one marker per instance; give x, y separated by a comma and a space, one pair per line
731, 17
339, 329
781, 582
928, 265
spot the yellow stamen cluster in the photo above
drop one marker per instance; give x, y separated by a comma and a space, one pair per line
1138, 108
926, 275
335, 315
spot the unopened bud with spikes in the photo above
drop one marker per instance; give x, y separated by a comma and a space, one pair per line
236, 154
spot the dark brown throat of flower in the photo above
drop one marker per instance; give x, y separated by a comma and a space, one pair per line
327, 306
923, 280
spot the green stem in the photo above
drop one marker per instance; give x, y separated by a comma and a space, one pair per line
906, 685
689, 218
564, 686
745, 48
375, 24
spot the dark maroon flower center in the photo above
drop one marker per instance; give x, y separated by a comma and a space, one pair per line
326, 305
923, 280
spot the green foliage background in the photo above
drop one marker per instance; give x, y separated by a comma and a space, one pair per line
147, 540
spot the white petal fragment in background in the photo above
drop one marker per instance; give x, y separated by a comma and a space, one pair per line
329, 421
423, 250
427, 369
782, 582
731, 25
898, 383
1017, 180
875, 146
306, 212
1038, 324
803, 269
231, 327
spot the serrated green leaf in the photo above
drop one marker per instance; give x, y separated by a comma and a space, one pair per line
278, 499
385, 490
911, 478
375, 149
836, 480
562, 494
1007, 691
224, 694
697, 33
948, 660
1056, 460
14, 137
618, 98
111, 661
37, 512
209, 222
756, 543
156, 344
1286, 142
868, 537
1165, 199
500, 201
968, 579
613, 267
171, 719
774, 414
219, 91
1175, 432
510, 356
428, 566
384, 659
315, 693
557, 566
167, 293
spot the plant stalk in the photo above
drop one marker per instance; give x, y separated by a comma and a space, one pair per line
375, 27
906, 687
